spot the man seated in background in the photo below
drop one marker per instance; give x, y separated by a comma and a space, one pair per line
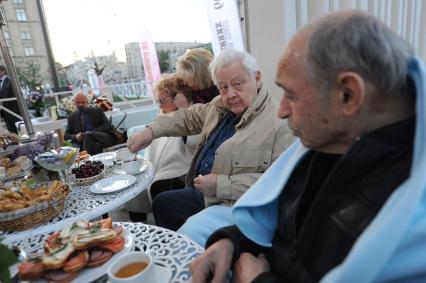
88, 127
346, 202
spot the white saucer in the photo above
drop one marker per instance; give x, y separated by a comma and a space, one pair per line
107, 158
163, 274
112, 184
142, 169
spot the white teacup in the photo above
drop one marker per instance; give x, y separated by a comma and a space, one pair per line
146, 275
123, 154
132, 166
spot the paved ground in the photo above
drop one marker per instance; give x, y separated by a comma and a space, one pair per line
121, 215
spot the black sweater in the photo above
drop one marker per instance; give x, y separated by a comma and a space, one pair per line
328, 202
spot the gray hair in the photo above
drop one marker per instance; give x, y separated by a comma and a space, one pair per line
230, 56
358, 43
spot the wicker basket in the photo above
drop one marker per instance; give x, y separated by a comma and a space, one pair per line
40, 214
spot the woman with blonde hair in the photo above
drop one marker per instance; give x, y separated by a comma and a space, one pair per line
170, 156
193, 68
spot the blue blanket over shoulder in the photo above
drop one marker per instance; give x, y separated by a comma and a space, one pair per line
393, 247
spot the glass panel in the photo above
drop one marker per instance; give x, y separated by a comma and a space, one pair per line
21, 16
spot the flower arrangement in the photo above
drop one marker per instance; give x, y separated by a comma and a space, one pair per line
31, 150
36, 102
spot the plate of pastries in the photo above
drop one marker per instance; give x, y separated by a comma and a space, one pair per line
8, 140
14, 169
80, 252
82, 155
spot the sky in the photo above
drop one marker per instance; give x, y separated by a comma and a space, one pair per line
78, 28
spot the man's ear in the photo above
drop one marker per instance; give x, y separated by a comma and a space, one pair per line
350, 92
258, 78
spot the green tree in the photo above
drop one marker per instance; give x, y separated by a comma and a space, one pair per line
29, 74
62, 75
164, 60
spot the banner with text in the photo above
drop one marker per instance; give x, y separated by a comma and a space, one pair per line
224, 25
150, 60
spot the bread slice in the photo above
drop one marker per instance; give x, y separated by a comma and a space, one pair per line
57, 258
70, 231
93, 237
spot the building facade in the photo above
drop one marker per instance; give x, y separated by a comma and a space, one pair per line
27, 41
134, 61
174, 50
113, 71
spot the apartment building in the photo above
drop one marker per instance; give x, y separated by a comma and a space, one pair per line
174, 49
27, 38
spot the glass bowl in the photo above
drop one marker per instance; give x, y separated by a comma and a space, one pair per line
59, 159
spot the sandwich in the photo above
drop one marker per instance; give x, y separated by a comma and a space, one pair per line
98, 256
76, 262
93, 237
31, 269
59, 276
56, 258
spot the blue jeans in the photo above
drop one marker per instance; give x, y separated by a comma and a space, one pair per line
172, 208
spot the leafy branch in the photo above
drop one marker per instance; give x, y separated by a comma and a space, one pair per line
7, 258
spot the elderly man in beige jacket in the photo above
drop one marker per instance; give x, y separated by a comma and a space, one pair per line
241, 136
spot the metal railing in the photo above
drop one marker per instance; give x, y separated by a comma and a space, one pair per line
7, 110
125, 93
129, 94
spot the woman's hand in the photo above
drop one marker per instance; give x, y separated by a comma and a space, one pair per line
140, 140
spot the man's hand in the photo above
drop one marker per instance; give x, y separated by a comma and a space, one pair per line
248, 267
140, 140
79, 136
213, 264
206, 184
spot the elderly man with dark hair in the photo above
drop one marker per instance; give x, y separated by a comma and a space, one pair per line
89, 127
240, 138
346, 202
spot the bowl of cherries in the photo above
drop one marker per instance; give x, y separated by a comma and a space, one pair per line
88, 172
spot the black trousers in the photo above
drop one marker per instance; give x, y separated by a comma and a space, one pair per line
161, 186
172, 208
94, 142
10, 121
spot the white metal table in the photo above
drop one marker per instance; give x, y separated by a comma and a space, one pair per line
169, 248
82, 204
